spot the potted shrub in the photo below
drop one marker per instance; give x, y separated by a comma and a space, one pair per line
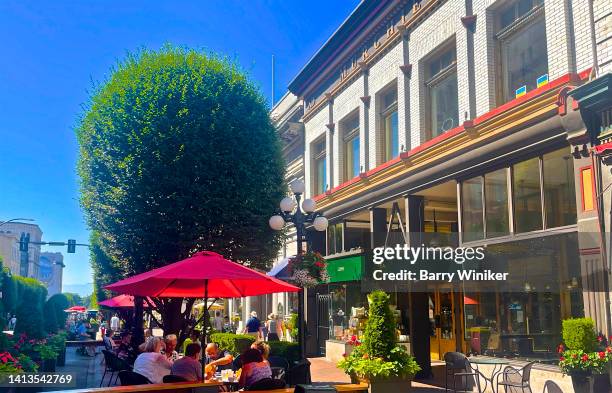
379, 360
48, 356
584, 356
58, 342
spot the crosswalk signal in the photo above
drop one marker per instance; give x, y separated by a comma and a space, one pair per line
71, 246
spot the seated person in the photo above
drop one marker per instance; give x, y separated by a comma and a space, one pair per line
170, 349
254, 368
147, 334
151, 363
263, 348
124, 350
108, 342
189, 366
218, 358
193, 338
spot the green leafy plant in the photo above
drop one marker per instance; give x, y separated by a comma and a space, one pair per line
235, 343
27, 364
8, 364
292, 325
578, 361
379, 357
287, 350
580, 334
46, 351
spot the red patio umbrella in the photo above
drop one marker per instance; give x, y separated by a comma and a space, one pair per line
76, 309
205, 274
121, 301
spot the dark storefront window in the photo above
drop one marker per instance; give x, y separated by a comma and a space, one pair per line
471, 195
334, 239
496, 203
527, 195
559, 189
527, 323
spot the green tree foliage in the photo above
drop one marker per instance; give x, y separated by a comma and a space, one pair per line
74, 299
32, 295
51, 325
106, 270
58, 303
380, 329
178, 154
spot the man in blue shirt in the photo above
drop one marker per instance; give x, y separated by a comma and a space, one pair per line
253, 326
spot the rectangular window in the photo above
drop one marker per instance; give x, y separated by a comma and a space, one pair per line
559, 189
443, 93
527, 195
320, 168
351, 148
496, 203
472, 217
334, 239
390, 140
586, 177
522, 39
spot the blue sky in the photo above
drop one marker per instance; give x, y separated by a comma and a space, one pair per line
52, 50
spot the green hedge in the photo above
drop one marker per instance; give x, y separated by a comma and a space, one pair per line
235, 343
285, 349
580, 334
32, 295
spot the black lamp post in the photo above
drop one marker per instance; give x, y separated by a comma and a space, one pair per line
291, 211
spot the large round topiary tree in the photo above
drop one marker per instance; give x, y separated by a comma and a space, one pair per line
178, 155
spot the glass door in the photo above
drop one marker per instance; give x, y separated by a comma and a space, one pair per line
442, 319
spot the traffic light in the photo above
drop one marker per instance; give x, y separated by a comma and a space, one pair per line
24, 242
71, 246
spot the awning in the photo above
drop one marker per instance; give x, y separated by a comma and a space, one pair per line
281, 270
604, 148
347, 268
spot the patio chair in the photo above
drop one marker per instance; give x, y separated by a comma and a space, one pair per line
113, 364
299, 373
266, 384
515, 379
279, 366
129, 378
173, 378
457, 365
551, 387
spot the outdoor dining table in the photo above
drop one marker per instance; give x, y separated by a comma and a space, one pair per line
495, 362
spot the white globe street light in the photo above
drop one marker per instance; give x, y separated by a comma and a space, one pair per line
276, 222
287, 204
297, 186
309, 205
320, 223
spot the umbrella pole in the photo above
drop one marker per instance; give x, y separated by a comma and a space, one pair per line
204, 337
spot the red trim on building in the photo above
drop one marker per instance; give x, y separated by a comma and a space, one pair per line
457, 130
603, 148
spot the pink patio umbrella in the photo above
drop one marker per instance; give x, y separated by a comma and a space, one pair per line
121, 301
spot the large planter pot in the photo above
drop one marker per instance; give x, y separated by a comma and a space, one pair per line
61, 358
393, 385
48, 365
585, 382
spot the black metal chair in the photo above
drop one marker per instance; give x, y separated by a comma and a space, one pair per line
457, 365
267, 384
173, 378
551, 387
113, 364
515, 379
130, 378
279, 366
299, 373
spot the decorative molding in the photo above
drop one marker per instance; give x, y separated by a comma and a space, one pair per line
329, 96
406, 69
331, 127
366, 100
363, 66
469, 22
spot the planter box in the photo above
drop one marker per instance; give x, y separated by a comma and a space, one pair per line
334, 349
61, 358
584, 383
390, 386
48, 366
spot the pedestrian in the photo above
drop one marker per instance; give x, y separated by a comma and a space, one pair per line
218, 322
274, 328
115, 323
253, 326
12, 322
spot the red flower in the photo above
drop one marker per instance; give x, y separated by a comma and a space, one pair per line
585, 357
561, 358
344, 355
608, 349
600, 338
602, 355
560, 348
574, 356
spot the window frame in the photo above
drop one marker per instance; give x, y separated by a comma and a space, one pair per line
348, 137
504, 35
435, 80
317, 156
385, 113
